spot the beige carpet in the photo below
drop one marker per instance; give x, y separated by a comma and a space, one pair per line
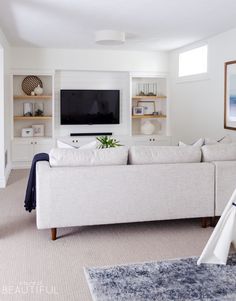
32, 267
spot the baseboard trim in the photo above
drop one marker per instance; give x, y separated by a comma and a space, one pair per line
21, 165
7, 172
3, 180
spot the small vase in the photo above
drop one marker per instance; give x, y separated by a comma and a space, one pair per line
38, 109
28, 109
38, 90
147, 127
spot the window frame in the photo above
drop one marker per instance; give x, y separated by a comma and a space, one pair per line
198, 76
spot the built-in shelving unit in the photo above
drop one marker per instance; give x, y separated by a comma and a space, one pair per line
45, 100
130, 85
148, 97
24, 148
148, 116
142, 86
30, 118
35, 97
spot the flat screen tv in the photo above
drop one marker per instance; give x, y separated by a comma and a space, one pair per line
90, 107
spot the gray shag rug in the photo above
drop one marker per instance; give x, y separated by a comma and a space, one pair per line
181, 280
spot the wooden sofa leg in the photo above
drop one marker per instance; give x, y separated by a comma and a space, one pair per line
213, 221
53, 233
204, 222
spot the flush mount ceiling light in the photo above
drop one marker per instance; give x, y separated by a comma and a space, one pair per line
110, 37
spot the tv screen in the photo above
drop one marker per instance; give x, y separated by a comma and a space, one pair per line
90, 106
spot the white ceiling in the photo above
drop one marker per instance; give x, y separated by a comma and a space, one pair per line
149, 24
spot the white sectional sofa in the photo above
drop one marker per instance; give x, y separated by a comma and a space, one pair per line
92, 187
223, 157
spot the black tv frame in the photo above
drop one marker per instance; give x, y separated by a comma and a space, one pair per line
71, 90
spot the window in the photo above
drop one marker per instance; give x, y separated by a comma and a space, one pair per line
193, 61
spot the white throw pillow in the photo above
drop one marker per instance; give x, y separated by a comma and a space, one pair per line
198, 143
219, 152
88, 157
224, 140
61, 144
90, 145
164, 154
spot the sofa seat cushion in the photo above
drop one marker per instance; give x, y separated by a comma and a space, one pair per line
219, 152
88, 157
164, 154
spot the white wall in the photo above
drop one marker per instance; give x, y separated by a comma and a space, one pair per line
96, 60
2, 135
91, 69
4, 108
197, 107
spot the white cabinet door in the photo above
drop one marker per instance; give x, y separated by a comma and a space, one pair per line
43, 146
151, 140
22, 151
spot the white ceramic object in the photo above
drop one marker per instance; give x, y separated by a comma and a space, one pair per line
147, 127
38, 90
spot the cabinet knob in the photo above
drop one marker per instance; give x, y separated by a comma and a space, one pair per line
35, 142
31, 142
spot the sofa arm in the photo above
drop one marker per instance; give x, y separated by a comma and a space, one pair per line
43, 194
225, 184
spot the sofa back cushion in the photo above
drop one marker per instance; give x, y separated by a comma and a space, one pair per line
88, 157
219, 152
164, 154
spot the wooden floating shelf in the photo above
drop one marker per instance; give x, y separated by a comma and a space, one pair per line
148, 97
32, 117
20, 138
148, 116
20, 97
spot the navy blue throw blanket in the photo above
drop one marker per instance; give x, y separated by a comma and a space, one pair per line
30, 196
